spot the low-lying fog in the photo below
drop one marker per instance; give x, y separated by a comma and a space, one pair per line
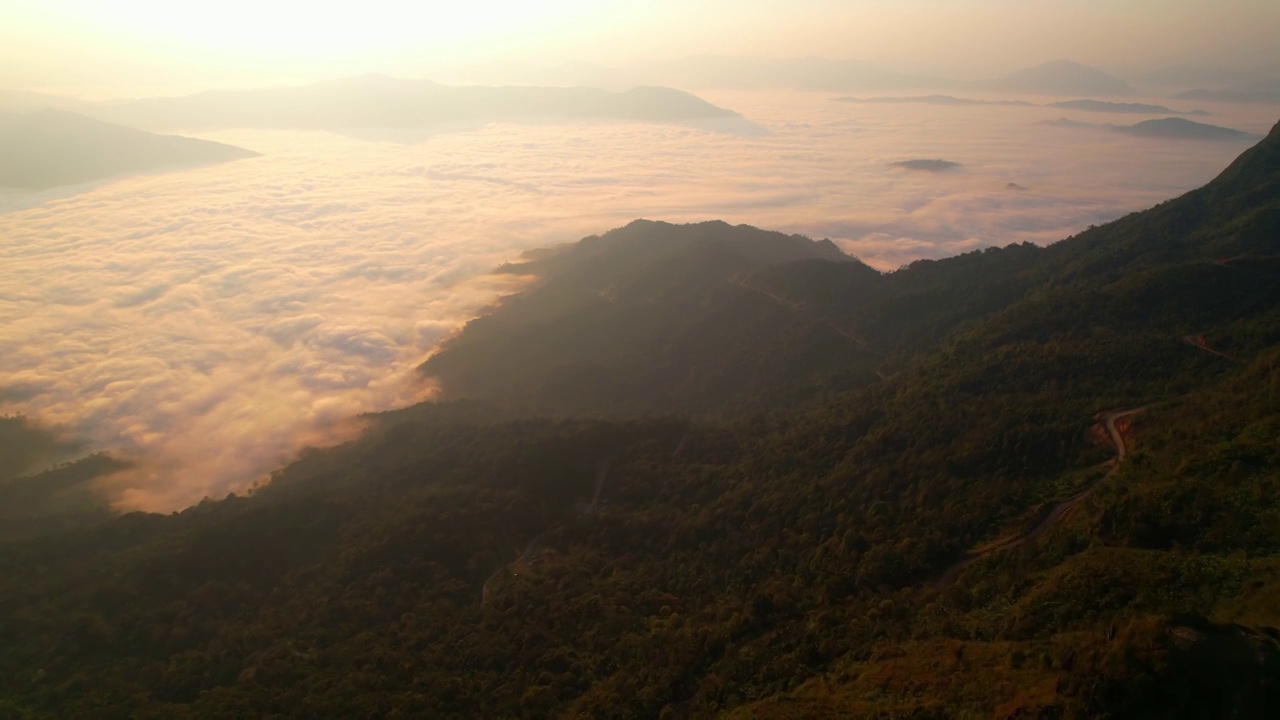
211, 323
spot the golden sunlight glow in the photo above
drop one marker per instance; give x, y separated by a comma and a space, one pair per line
266, 28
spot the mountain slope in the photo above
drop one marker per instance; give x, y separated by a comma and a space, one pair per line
52, 147
652, 317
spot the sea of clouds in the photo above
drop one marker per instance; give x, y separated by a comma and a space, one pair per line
210, 324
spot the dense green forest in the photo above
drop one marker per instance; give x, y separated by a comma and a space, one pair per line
705, 471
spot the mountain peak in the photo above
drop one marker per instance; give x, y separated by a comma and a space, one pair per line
1062, 77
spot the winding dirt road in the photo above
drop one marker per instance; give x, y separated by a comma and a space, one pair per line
1061, 511
1199, 342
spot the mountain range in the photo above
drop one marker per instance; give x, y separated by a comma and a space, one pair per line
378, 101
714, 471
69, 141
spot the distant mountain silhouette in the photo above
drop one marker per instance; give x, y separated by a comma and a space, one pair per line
811, 73
1173, 128
1263, 97
1182, 129
49, 148
927, 165
376, 101
1059, 77
932, 100
1114, 107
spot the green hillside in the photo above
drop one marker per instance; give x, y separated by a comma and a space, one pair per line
705, 471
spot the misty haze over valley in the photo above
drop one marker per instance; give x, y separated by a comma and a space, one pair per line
611, 359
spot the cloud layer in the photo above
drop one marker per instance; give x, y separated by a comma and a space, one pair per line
210, 324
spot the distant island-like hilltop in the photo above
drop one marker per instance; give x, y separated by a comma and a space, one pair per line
1180, 128
1173, 128
51, 148
927, 165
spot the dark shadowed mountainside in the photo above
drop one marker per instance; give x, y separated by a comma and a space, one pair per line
53, 147
377, 101
1055, 494
651, 317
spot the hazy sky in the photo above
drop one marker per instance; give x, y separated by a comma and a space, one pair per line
97, 47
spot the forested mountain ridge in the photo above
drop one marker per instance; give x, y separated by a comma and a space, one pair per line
1054, 491
653, 317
